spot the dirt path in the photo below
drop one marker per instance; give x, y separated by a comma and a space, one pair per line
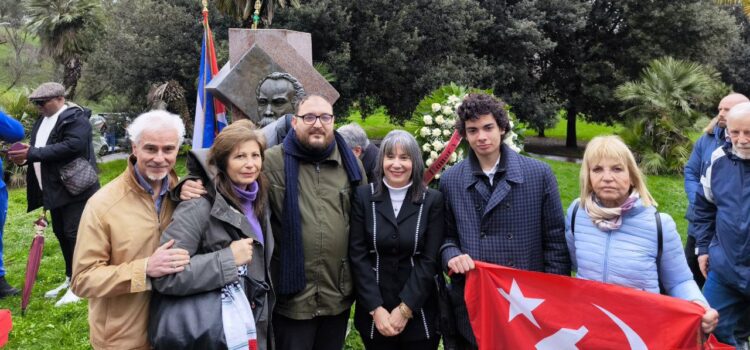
552, 146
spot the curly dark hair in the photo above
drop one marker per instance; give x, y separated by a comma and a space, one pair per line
476, 104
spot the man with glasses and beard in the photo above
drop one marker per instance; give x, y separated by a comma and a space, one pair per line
312, 175
59, 136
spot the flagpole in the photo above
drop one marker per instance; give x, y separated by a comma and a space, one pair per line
208, 38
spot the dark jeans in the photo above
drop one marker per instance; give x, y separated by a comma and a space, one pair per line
692, 261
396, 344
319, 333
733, 306
65, 221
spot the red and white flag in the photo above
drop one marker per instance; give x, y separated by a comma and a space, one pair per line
516, 309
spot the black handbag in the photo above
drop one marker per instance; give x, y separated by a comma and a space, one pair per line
446, 323
186, 322
78, 176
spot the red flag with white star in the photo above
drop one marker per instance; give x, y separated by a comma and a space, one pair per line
516, 309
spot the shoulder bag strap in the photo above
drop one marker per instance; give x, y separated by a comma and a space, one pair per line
573, 218
659, 249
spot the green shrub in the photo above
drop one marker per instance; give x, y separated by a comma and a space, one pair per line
667, 100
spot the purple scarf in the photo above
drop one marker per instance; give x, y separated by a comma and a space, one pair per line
247, 198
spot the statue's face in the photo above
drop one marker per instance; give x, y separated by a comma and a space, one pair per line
274, 100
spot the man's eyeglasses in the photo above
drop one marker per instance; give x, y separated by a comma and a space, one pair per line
40, 103
310, 118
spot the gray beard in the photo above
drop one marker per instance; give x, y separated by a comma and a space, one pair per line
741, 155
154, 178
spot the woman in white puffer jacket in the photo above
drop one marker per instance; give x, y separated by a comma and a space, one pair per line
613, 236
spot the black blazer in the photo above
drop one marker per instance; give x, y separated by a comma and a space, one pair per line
387, 270
70, 139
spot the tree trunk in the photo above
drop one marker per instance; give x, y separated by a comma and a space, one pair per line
571, 137
71, 75
540, 132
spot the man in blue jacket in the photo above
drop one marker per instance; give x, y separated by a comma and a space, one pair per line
700, 159
10, 131
500, 207
722, 227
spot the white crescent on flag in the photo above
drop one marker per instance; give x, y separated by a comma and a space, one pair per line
634, 340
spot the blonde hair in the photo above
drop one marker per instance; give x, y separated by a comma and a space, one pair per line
611, 147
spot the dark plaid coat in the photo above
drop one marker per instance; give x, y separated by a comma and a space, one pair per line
518, 222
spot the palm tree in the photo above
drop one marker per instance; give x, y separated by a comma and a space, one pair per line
61, 26
244, 9
744, 3
666, 102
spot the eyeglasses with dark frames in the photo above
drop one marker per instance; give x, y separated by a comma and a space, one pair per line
310, 118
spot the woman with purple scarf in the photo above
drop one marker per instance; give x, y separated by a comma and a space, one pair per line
227, 234
613, 230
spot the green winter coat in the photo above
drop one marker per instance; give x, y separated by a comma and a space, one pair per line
324, 202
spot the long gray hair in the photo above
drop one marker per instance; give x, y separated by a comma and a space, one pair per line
408, 144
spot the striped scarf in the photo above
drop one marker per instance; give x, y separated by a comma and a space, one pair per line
237, 316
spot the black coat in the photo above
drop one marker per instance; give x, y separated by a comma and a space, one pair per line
389, 272
70, 139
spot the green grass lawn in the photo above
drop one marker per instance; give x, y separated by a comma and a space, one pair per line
47, 327
585, 131
378, 124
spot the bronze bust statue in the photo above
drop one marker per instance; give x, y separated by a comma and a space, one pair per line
277, 95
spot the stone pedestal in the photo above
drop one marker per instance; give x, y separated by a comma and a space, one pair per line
241, 40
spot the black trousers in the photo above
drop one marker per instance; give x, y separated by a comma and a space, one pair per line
318, 333
65, 221
463, 344
692, 261
396, 344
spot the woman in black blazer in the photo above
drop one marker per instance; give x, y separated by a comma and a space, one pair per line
395, 233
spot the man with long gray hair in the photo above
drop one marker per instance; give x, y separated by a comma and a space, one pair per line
118, 250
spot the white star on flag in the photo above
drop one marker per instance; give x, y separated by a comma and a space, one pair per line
520, 304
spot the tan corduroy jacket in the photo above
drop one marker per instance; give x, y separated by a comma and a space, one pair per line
119, 230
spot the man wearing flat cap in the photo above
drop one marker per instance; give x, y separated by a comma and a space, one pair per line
60, 135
